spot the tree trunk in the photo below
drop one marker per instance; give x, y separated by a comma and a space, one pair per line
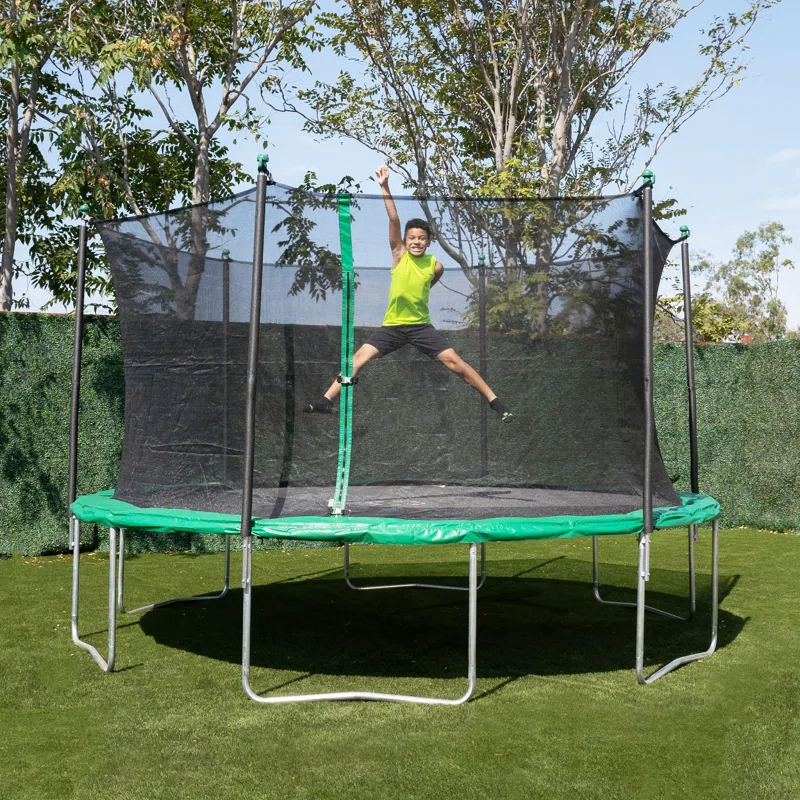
9, 240
12, 201
199, 223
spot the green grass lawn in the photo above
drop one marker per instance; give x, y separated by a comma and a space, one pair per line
558, 712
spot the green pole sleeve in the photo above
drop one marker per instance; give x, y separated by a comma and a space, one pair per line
346, 397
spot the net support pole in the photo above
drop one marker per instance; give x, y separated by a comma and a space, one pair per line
647, 362
692, 394
226, 319
72, 475
250, 411
77, 353
483, 362
689, 334
647, 500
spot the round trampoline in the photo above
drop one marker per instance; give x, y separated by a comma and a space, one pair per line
550, 300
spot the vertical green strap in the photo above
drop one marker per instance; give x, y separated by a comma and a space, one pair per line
346, 397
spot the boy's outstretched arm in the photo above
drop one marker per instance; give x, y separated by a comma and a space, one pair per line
395, 237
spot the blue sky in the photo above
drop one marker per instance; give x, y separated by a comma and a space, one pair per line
733, 166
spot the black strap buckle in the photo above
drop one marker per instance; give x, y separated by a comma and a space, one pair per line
346, 380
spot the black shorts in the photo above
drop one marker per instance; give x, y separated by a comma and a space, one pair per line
424, 337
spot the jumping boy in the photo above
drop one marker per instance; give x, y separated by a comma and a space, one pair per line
407, 319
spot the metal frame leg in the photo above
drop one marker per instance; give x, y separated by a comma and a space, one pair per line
652, 609
397, 698
640, 610
107, 666
121, 585
411, 585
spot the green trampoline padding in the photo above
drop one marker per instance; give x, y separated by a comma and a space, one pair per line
103, 509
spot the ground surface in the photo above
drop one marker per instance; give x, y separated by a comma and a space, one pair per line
558, 712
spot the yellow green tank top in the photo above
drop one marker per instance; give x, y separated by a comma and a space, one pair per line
410, 289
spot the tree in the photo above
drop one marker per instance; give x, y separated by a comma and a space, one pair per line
113, 151
747, 285
504, 97
34, 32
211, 52
200, 50
738, 297
712, 320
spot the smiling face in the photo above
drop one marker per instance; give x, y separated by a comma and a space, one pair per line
416, 241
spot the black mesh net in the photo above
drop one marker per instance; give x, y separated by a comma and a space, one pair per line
544, 298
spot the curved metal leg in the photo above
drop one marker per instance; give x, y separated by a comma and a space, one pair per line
652, 609
640, 609
396, 698
411, 585
107, 666
121, 586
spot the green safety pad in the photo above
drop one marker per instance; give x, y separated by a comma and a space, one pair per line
103, 509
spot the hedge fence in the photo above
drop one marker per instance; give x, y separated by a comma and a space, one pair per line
748, 399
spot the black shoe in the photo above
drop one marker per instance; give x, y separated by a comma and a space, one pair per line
322, 406
499, 408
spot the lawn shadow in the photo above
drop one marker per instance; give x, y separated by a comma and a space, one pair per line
533, 619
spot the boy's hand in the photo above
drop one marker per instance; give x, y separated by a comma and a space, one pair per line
382, 174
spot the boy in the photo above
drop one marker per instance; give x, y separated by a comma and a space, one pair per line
407, 319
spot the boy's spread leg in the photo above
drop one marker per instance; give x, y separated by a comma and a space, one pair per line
324, 405
456, 364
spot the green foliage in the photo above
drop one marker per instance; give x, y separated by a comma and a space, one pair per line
32, 51
748, 402
112, 152
746, 286
461, 97
35, 375
712, 320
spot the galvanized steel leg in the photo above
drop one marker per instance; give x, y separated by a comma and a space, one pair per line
411, 585
121, 587
678, 662
396, 698
652, 609
107, 666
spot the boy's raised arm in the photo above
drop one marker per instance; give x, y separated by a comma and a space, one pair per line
395, 237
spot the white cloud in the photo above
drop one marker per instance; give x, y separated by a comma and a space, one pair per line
792, 154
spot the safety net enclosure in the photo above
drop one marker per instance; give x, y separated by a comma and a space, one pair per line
543, 297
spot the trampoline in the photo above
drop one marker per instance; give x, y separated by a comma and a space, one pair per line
234, 313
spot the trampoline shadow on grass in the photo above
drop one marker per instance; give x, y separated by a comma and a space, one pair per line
530, 622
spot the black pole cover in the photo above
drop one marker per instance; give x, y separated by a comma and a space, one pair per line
80, 290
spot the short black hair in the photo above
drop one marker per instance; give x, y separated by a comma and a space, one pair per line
418, 223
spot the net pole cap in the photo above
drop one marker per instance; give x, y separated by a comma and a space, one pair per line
263, 160
84, 211
649, 177
481, 260
225, 255
685, 232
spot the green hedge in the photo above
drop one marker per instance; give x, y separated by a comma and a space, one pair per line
35, 386
748, 407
